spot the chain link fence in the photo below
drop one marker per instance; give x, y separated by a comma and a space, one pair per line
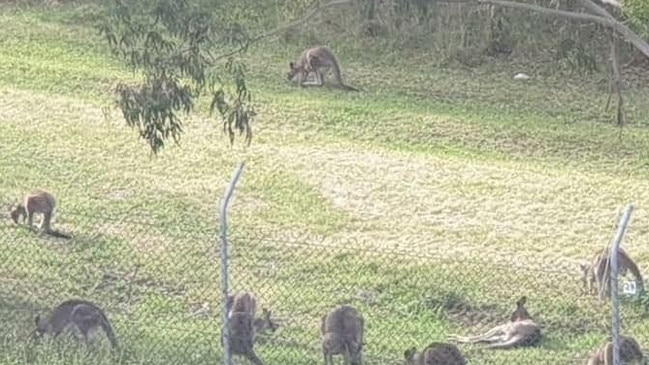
412, 299
157, 284
161, 288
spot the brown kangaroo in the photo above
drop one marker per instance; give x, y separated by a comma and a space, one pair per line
596, 275
521, 330
244, 327
38, 202
436, 353
316, 60
342, 333
75, 314
630, 352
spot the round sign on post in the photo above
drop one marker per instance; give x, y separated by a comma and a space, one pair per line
629, 288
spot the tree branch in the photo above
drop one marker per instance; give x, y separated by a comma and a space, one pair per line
621, 28
617, 80
535, 8
313, 12
614, 3
604, 18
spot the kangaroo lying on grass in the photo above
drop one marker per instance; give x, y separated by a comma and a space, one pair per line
436, 353
244, 327
630, 352
521, 330
82, 316
38, 202
596, 276
316, 60
342, 333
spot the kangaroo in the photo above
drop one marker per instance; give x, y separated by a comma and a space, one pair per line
316, 60
76, 314
342, 333
244, 326
436, 353
630, 352
41, 202
596, 274
521, 330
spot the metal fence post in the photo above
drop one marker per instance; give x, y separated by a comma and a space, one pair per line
615, 302
223, 234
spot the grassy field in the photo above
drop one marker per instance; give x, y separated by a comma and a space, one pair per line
431, 201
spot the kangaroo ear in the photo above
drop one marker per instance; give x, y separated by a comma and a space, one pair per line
229, 302
521, 301
37, 320
291, 64
409, 353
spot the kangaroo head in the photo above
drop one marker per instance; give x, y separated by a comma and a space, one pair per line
355, 356
229, 302
41, 325
585, 267
265, 322
409, 355
293, 69
16, 212
630, 350
520, 313
521, 302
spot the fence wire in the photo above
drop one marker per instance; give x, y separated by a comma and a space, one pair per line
157, 285
160, 288
411, 300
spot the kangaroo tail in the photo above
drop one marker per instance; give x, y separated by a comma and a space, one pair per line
105, 325
347, 87
635, 272
339, 76
58, 234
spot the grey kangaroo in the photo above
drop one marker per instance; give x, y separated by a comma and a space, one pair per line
520, 331
630, 352
436, 353
317, 60
244, 327
38, 202
82, 315
342, 333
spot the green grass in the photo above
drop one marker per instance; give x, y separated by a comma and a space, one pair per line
431, 201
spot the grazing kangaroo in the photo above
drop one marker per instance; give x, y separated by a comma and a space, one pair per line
630, 352
41, 202
316, 60
596, 275
521, 330
244, 326
436, 353
342, 333
75, 314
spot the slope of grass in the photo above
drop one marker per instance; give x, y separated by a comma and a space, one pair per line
431, 201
